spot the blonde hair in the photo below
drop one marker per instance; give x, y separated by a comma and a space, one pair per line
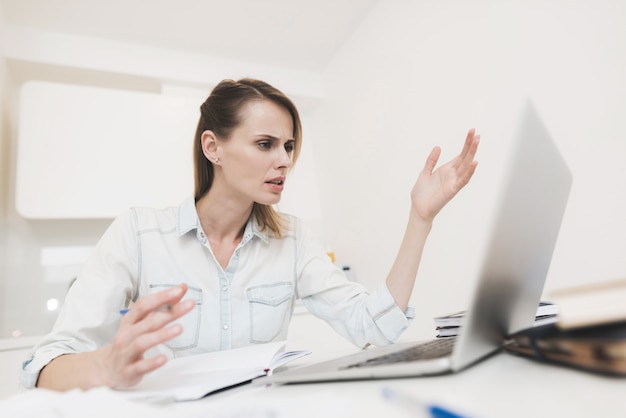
221, 114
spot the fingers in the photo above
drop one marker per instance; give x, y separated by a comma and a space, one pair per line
152, 313
467, 174
144, 327
468, 140
469, 147
128, 364
148, 365
132, 373
464, 161
154, 326
163, 300
432, 159
135, 348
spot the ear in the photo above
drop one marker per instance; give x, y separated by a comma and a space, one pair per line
210, 146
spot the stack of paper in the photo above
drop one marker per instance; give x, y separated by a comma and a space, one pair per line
449, 325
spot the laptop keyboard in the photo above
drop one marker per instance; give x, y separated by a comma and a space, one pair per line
438, 348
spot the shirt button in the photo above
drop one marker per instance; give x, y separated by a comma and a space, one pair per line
224, 288
225, 326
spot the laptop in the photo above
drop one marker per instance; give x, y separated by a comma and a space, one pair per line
519, 249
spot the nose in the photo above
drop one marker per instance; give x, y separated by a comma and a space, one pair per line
284, 159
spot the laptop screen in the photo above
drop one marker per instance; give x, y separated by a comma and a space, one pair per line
530, 207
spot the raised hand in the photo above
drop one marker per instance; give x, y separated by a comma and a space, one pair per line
143, 327
435, 188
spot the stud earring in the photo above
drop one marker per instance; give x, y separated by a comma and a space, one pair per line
217, 160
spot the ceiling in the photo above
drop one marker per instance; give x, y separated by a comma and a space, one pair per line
298, 34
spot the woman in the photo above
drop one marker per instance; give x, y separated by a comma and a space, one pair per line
223, 270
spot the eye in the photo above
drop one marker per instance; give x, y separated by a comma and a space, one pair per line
265, 145
289, 146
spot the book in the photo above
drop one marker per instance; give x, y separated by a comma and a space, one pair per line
599, 349
196, 376
591, 304
448, 325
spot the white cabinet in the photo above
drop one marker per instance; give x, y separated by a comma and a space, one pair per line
89, 152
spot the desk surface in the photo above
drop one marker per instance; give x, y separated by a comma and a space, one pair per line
501, 386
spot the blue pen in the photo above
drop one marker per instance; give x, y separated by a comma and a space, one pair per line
162, 308
407, 401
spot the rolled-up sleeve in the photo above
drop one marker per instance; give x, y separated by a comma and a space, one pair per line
38, 360
387, 315
359, 315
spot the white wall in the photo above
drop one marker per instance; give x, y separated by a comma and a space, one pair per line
419, 74
3, 154
414, 75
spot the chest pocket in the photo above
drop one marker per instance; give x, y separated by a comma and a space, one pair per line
269, 310
190, 322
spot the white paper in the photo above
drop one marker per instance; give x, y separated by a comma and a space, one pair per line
192, 377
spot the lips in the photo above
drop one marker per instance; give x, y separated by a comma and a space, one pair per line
276, 184
277, 180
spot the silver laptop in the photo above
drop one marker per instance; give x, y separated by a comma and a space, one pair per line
510, 283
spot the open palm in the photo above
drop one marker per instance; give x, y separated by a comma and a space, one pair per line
435, 188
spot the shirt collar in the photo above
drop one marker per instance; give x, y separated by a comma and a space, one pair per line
188, 220
187, 216
253, 229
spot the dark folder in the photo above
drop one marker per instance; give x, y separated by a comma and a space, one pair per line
599, 349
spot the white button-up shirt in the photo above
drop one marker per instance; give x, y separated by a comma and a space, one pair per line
250, 301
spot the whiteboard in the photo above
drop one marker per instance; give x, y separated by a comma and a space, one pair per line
90, 152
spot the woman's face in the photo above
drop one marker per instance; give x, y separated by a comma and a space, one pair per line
255, 159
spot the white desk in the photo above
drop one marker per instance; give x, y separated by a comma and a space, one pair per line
501, 386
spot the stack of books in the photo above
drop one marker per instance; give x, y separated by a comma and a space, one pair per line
449, 325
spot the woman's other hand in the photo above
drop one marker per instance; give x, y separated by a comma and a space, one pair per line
434, 188
145, 326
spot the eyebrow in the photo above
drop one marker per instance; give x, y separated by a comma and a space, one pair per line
273, 138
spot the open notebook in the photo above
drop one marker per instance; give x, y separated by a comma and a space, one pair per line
524, 231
